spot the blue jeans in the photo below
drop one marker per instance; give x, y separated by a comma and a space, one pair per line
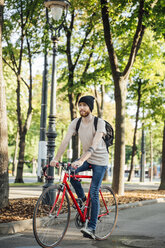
98, 174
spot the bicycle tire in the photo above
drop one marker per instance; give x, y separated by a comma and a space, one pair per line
49, 228
107, 218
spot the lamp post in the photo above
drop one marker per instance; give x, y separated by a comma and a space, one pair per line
56, 14
143, 153
142, 164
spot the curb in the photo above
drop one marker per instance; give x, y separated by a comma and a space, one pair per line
15, 226
141, 203
20, 226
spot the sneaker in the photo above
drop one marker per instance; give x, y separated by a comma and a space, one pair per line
88, 232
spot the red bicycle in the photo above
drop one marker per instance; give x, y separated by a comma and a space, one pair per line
53, 208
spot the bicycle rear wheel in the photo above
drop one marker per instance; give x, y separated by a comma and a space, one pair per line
108, 213
51, 216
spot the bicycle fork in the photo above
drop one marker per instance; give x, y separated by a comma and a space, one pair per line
57, 197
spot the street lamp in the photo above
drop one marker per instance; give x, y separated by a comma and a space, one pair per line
55, 15
57, 8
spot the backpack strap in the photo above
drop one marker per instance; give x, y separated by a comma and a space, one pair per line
78, 124
79, 121
95, 122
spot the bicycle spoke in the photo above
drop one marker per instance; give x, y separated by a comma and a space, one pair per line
51, 217
108, 213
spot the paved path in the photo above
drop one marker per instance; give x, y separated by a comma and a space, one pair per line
17, 192
20, 192
136, 227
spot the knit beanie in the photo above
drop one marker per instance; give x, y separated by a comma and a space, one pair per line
89, 100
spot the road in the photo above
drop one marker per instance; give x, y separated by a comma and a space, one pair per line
33, 179
21, 191
35, 191
136, 227
18, 192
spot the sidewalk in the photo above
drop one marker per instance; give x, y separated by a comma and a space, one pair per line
141, 227
21, 226
23, 192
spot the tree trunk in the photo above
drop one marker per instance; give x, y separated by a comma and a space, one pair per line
119, 157
4, 183
135, 132
73, 115
162, 184
23, 128
19, 177
100, 106
15, 155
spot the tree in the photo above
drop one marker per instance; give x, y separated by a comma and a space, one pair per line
123, 19
148, 71
24, 22
120, 80
4, 187
79, 52
135, 130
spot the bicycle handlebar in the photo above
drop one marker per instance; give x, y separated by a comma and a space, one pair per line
65, 166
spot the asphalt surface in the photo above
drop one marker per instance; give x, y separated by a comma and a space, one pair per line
139, 225
136, 227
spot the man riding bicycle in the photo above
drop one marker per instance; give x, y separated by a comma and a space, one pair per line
95, 156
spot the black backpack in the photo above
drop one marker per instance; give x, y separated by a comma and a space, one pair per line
108, 139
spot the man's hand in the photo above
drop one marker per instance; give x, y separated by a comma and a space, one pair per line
54, 163
77, 163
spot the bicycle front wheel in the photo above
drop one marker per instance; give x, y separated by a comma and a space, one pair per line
51, 216
107, 217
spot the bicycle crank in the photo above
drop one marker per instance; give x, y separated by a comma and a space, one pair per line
78, 222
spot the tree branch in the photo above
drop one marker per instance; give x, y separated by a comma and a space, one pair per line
29, 111
89, 29
87, 64
108, 38
136, 41
68, 44
13, 69
12, 57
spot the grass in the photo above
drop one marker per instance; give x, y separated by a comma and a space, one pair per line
25, 184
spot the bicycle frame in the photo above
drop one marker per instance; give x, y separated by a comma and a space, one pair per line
67, 187
53, 210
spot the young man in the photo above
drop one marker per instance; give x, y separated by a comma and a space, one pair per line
95, 156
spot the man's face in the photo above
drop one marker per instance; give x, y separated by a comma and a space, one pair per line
84, 109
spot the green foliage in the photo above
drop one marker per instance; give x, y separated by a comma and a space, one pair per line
149, 64
86, 38
149, 68
33, 134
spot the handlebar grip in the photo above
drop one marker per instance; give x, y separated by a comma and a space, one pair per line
45, 168
45, 174
66, 166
